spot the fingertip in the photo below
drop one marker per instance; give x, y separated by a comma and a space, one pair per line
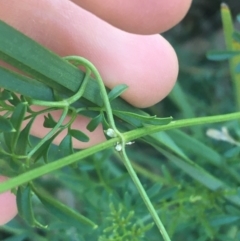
8, 205
147, 64
140, 17
159, 76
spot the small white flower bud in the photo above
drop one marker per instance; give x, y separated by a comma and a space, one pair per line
118, 147
110, 132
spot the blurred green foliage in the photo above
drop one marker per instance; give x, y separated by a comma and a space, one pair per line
100, 188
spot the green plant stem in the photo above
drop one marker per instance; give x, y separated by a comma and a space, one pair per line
35, 113
53, 203
123, 138
129, 136
59, 104
72, 119
127, 163
181, 123
50, 133
144, 195
66, 102
76, 60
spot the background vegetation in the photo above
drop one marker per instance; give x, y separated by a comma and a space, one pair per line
100, 187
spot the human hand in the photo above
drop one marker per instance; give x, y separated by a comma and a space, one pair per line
146, 63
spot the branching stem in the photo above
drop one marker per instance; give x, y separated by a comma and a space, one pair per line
82, 61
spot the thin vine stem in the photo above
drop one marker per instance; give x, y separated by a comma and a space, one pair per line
144, 195
65, 105
130, 135
127, 163
36, 113
72, 119
50, 133
121, 138
66, 102
76, 60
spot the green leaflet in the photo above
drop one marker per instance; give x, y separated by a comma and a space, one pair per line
79, 135
23, 140
24, 204
42, 151
65, 147
6, 125
5, 95
14, 100
61, 211
116, 91
93, 124
151, 120
49, 122
16, 120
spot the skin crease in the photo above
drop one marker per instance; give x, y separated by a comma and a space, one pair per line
147, 64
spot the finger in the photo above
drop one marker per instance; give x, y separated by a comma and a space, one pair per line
141, 17
8, 207
147, 64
